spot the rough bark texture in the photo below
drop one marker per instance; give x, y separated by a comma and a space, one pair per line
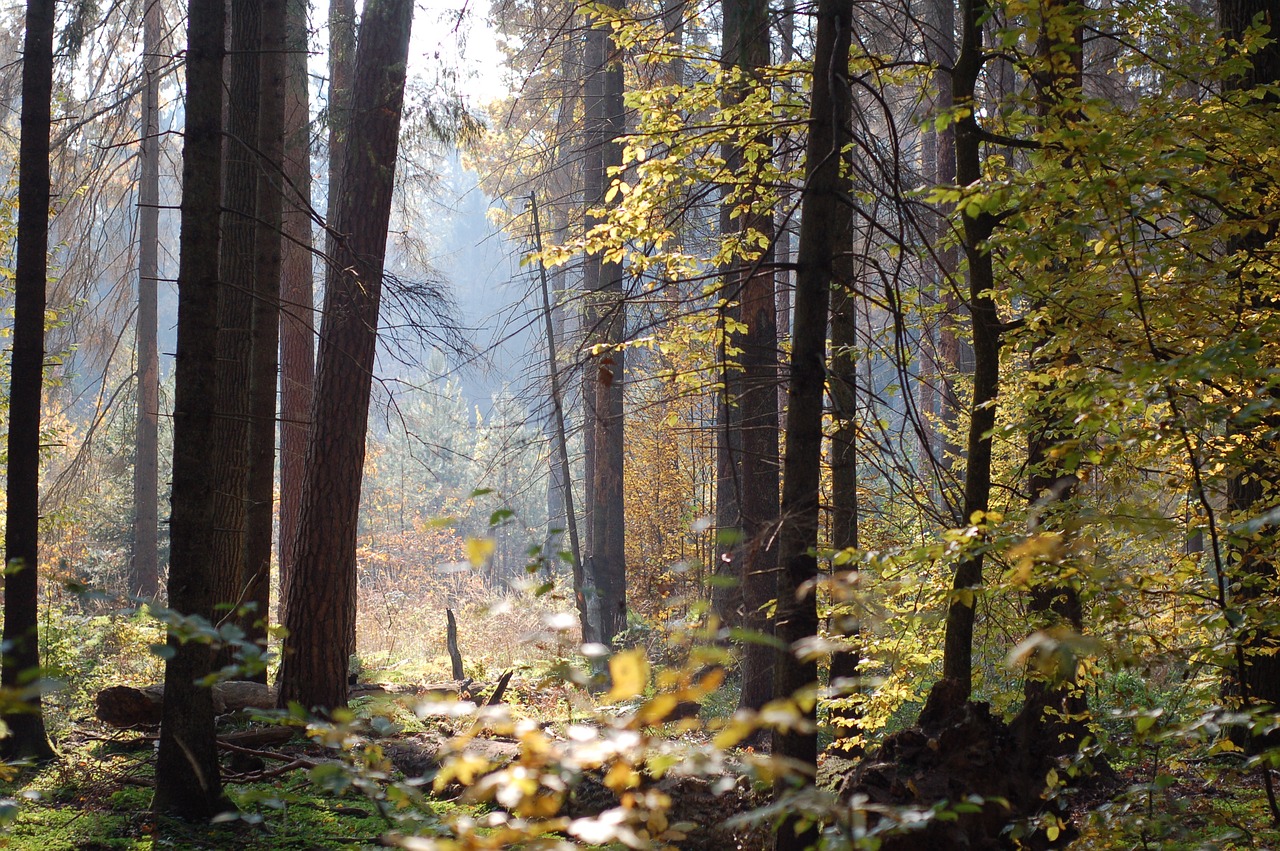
322, 596
957, 660
1252, 489
843, 392
797, 612
265, 325
144, 575
187, 779
606, 316
229, 473
21, 663
753, 405
297, 316
342, 70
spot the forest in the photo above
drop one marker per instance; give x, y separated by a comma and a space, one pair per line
695, 424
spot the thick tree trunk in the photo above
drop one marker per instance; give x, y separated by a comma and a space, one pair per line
144, 577
297, 317
21, 662
753, 408
322, 596
957, 660
824, 193
187, 779
1251, 489
265, 325
230, 471
606, 316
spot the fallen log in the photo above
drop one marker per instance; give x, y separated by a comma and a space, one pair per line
126, 706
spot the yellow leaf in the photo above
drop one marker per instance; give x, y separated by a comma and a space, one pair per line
629, 671
621, 776
479, 550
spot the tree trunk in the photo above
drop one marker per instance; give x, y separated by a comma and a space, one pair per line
1052, 714
606, 329
144, 577
820, 243
957, 659
187, 779
297, 318
21, 661
230, 471
843, 391
753, 408
1252, 486
265, 326
322, 596
342, 69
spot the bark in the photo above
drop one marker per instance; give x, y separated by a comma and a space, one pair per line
751, 399
187, 779
843, 391
606, 315
230, 470
1252, 487
297, 317
1052, 711
265, 326
957, 659
819, 245
322, 596
144, 578
21, 662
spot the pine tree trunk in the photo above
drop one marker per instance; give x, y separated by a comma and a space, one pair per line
753, 407
819, 245
187, 779
1252, 486
230, 471
322, 596
297, 317
145, 571
21, 660
606, 328
265, 325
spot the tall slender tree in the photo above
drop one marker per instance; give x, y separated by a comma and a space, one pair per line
230, 471
751, 403
21, 664
606, 327
977, 226
825, 192
322, 595
145, 573
297, 313
265, 322
188, 783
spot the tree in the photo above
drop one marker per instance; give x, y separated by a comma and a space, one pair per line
820, 243
1253, 485
322, 595
146, 546
187, 775
606, 327
230, 470
978, 225
297, 325
20, 668
265, 322
751, 404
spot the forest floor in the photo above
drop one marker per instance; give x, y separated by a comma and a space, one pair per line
97, 796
